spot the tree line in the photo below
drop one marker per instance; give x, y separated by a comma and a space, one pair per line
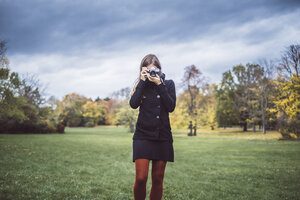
264, 95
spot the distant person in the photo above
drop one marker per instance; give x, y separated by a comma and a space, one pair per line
152, 139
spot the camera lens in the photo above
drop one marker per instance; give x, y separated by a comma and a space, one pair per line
152, 73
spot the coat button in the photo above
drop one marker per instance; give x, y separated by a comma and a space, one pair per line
158, 96
157, 117
158, 106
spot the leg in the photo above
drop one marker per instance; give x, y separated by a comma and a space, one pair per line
158, 171
141, 176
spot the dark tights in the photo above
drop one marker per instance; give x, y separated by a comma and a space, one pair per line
141, 176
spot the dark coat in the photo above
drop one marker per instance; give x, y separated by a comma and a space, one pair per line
154, 102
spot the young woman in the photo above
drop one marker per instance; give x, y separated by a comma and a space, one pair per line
152, 139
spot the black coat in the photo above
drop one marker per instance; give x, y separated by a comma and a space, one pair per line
154, 102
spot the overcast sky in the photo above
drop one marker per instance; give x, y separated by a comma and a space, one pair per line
94, 48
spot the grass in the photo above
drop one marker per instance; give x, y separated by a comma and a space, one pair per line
96, 163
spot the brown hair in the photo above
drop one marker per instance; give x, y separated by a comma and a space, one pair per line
147, 60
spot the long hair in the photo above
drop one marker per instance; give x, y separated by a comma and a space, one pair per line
147, 60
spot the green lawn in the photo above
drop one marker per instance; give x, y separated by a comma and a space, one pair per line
96, 163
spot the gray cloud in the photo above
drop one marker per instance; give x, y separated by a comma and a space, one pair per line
66, 26
95, 47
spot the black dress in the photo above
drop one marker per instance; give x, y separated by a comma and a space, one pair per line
152, 138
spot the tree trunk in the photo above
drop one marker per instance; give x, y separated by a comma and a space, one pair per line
245, 126
191, 129
263, 117
195, 129
254, 127
131, 128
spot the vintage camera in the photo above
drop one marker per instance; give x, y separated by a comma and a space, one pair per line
153, 71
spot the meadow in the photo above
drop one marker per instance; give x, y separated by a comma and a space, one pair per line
96, 163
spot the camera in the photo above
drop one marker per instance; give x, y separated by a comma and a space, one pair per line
153, 71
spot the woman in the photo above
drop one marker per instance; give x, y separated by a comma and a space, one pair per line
152, 139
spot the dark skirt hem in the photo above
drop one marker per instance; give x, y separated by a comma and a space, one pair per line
153, 150
153, 159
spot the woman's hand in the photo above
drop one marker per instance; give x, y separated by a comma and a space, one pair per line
144, 73
155, 79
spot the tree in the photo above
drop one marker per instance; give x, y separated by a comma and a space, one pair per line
30, 89
122, 94
267, 89
288, 98
126, 116
70, 110
247, 104
21, 108
241, 95
254, 75
178, 118
224, 94
193, 81
209, 106
93, 112
122, 112
290, 62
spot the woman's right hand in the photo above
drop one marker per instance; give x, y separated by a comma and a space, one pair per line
144, 73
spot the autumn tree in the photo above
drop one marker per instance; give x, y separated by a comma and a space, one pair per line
193, 81
93, 112
288, 98
207, 108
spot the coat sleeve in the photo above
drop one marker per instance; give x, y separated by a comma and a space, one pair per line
135, 99
168, 95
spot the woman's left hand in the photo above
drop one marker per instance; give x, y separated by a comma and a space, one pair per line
155, 79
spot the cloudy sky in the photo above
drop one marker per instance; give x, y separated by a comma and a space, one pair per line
94, 47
